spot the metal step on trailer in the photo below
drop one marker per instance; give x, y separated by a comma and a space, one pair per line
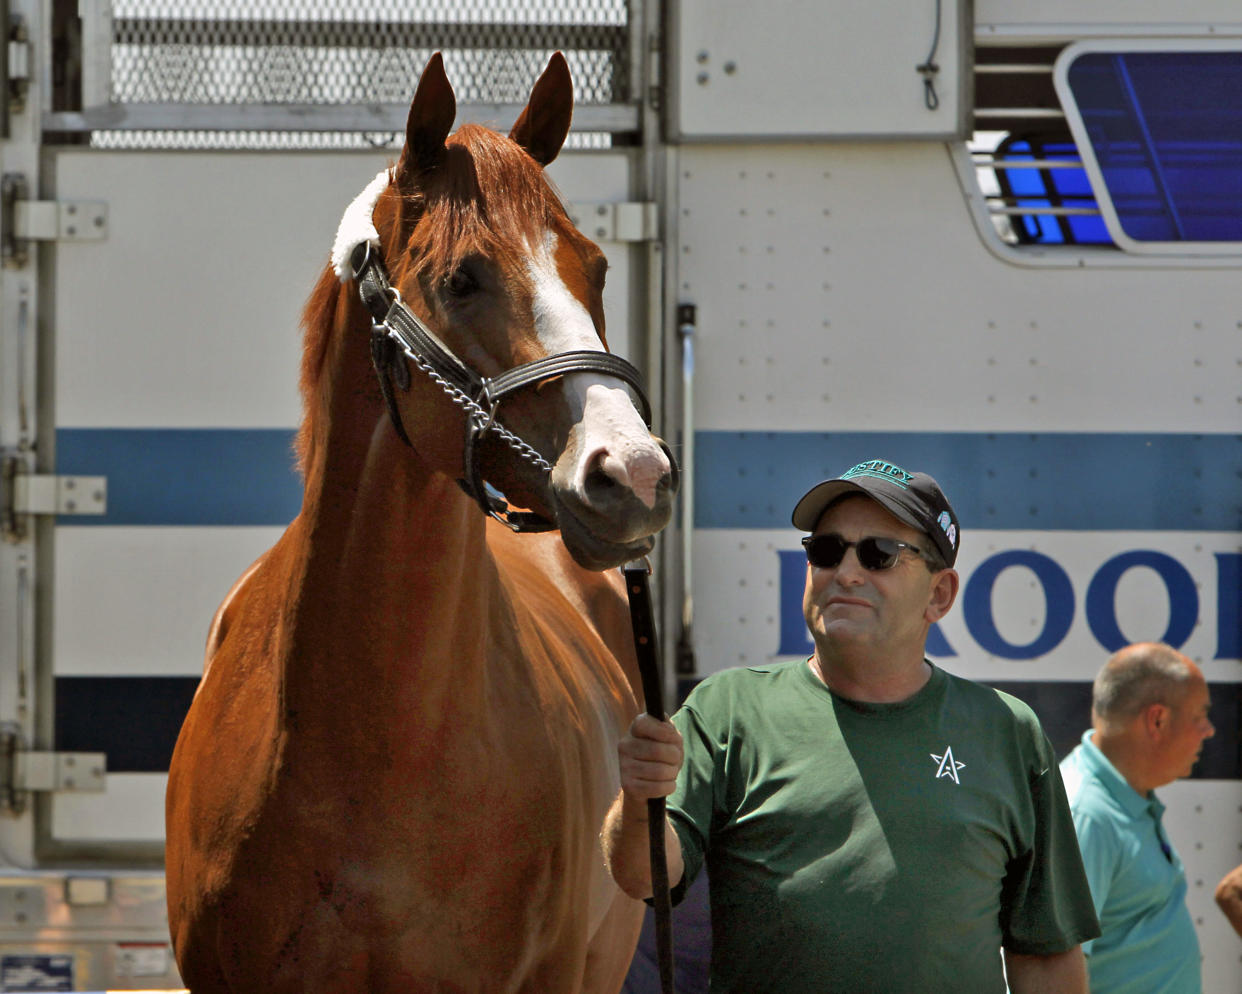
82, 930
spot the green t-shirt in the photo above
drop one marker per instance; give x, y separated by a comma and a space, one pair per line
874, 847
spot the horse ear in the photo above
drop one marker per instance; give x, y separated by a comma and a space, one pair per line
431, 119
543, 124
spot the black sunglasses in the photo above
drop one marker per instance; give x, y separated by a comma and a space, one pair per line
874, 553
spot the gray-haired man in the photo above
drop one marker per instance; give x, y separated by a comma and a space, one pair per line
1149, 714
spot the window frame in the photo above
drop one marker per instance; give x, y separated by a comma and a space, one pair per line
1095, 174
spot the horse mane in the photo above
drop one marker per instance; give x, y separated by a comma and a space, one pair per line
318, 321
485, 196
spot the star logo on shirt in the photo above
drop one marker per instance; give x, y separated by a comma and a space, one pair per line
948, 765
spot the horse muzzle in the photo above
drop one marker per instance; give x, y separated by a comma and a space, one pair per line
611, 512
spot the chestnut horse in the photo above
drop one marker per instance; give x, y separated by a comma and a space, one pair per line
393, 775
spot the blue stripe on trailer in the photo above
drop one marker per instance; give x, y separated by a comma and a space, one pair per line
998, 480
1064, 481
185, 476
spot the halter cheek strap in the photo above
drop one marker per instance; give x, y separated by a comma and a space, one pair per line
389, 366
397, 334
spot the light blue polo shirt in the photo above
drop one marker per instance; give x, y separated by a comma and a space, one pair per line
1147, 943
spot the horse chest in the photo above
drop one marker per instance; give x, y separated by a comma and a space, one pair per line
475, 814
489, 883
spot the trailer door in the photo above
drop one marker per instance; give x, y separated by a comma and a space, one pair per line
175, 347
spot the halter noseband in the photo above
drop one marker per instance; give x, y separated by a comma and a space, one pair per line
396, 332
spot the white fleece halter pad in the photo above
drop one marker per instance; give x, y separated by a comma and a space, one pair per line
357, 227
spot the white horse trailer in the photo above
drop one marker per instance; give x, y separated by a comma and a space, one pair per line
997, 241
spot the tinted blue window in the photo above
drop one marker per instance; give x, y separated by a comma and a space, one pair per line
1052, 187
1166, 129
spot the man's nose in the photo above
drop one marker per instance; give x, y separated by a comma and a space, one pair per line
849, 569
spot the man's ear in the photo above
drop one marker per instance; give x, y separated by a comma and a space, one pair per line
943, 593
1156, 720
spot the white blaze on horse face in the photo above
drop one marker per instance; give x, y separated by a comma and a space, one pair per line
613, 433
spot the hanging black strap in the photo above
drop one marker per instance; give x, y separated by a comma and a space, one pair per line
643, 623
389, 364
928, 68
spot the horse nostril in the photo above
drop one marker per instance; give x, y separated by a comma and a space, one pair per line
599, 481
615, 476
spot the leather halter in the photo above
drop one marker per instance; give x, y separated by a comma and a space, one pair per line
398, 334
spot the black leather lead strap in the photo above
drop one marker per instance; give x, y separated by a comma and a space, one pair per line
643, 623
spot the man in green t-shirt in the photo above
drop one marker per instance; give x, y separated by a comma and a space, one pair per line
869, 822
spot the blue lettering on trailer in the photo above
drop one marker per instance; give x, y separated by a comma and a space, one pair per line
1060, 603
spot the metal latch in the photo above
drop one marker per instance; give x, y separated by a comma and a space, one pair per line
24, 771
25, 220
617, 222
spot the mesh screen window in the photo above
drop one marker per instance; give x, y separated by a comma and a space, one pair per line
266, 52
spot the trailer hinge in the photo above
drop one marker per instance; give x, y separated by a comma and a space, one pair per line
617, 222
25, 220
16, 61
25, 771
19, 62
23, 494
47, 494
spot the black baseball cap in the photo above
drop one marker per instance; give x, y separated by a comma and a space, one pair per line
914, 498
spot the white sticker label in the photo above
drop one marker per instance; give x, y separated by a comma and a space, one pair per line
141, 959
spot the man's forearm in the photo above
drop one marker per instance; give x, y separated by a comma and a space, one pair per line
627, 849
1060, 973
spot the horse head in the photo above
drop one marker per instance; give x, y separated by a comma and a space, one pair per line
482, 250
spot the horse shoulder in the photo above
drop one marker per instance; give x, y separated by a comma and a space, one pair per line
226, 746
226, 613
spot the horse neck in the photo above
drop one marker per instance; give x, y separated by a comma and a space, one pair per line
387, 555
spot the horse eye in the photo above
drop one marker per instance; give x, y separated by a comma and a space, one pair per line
461, 282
